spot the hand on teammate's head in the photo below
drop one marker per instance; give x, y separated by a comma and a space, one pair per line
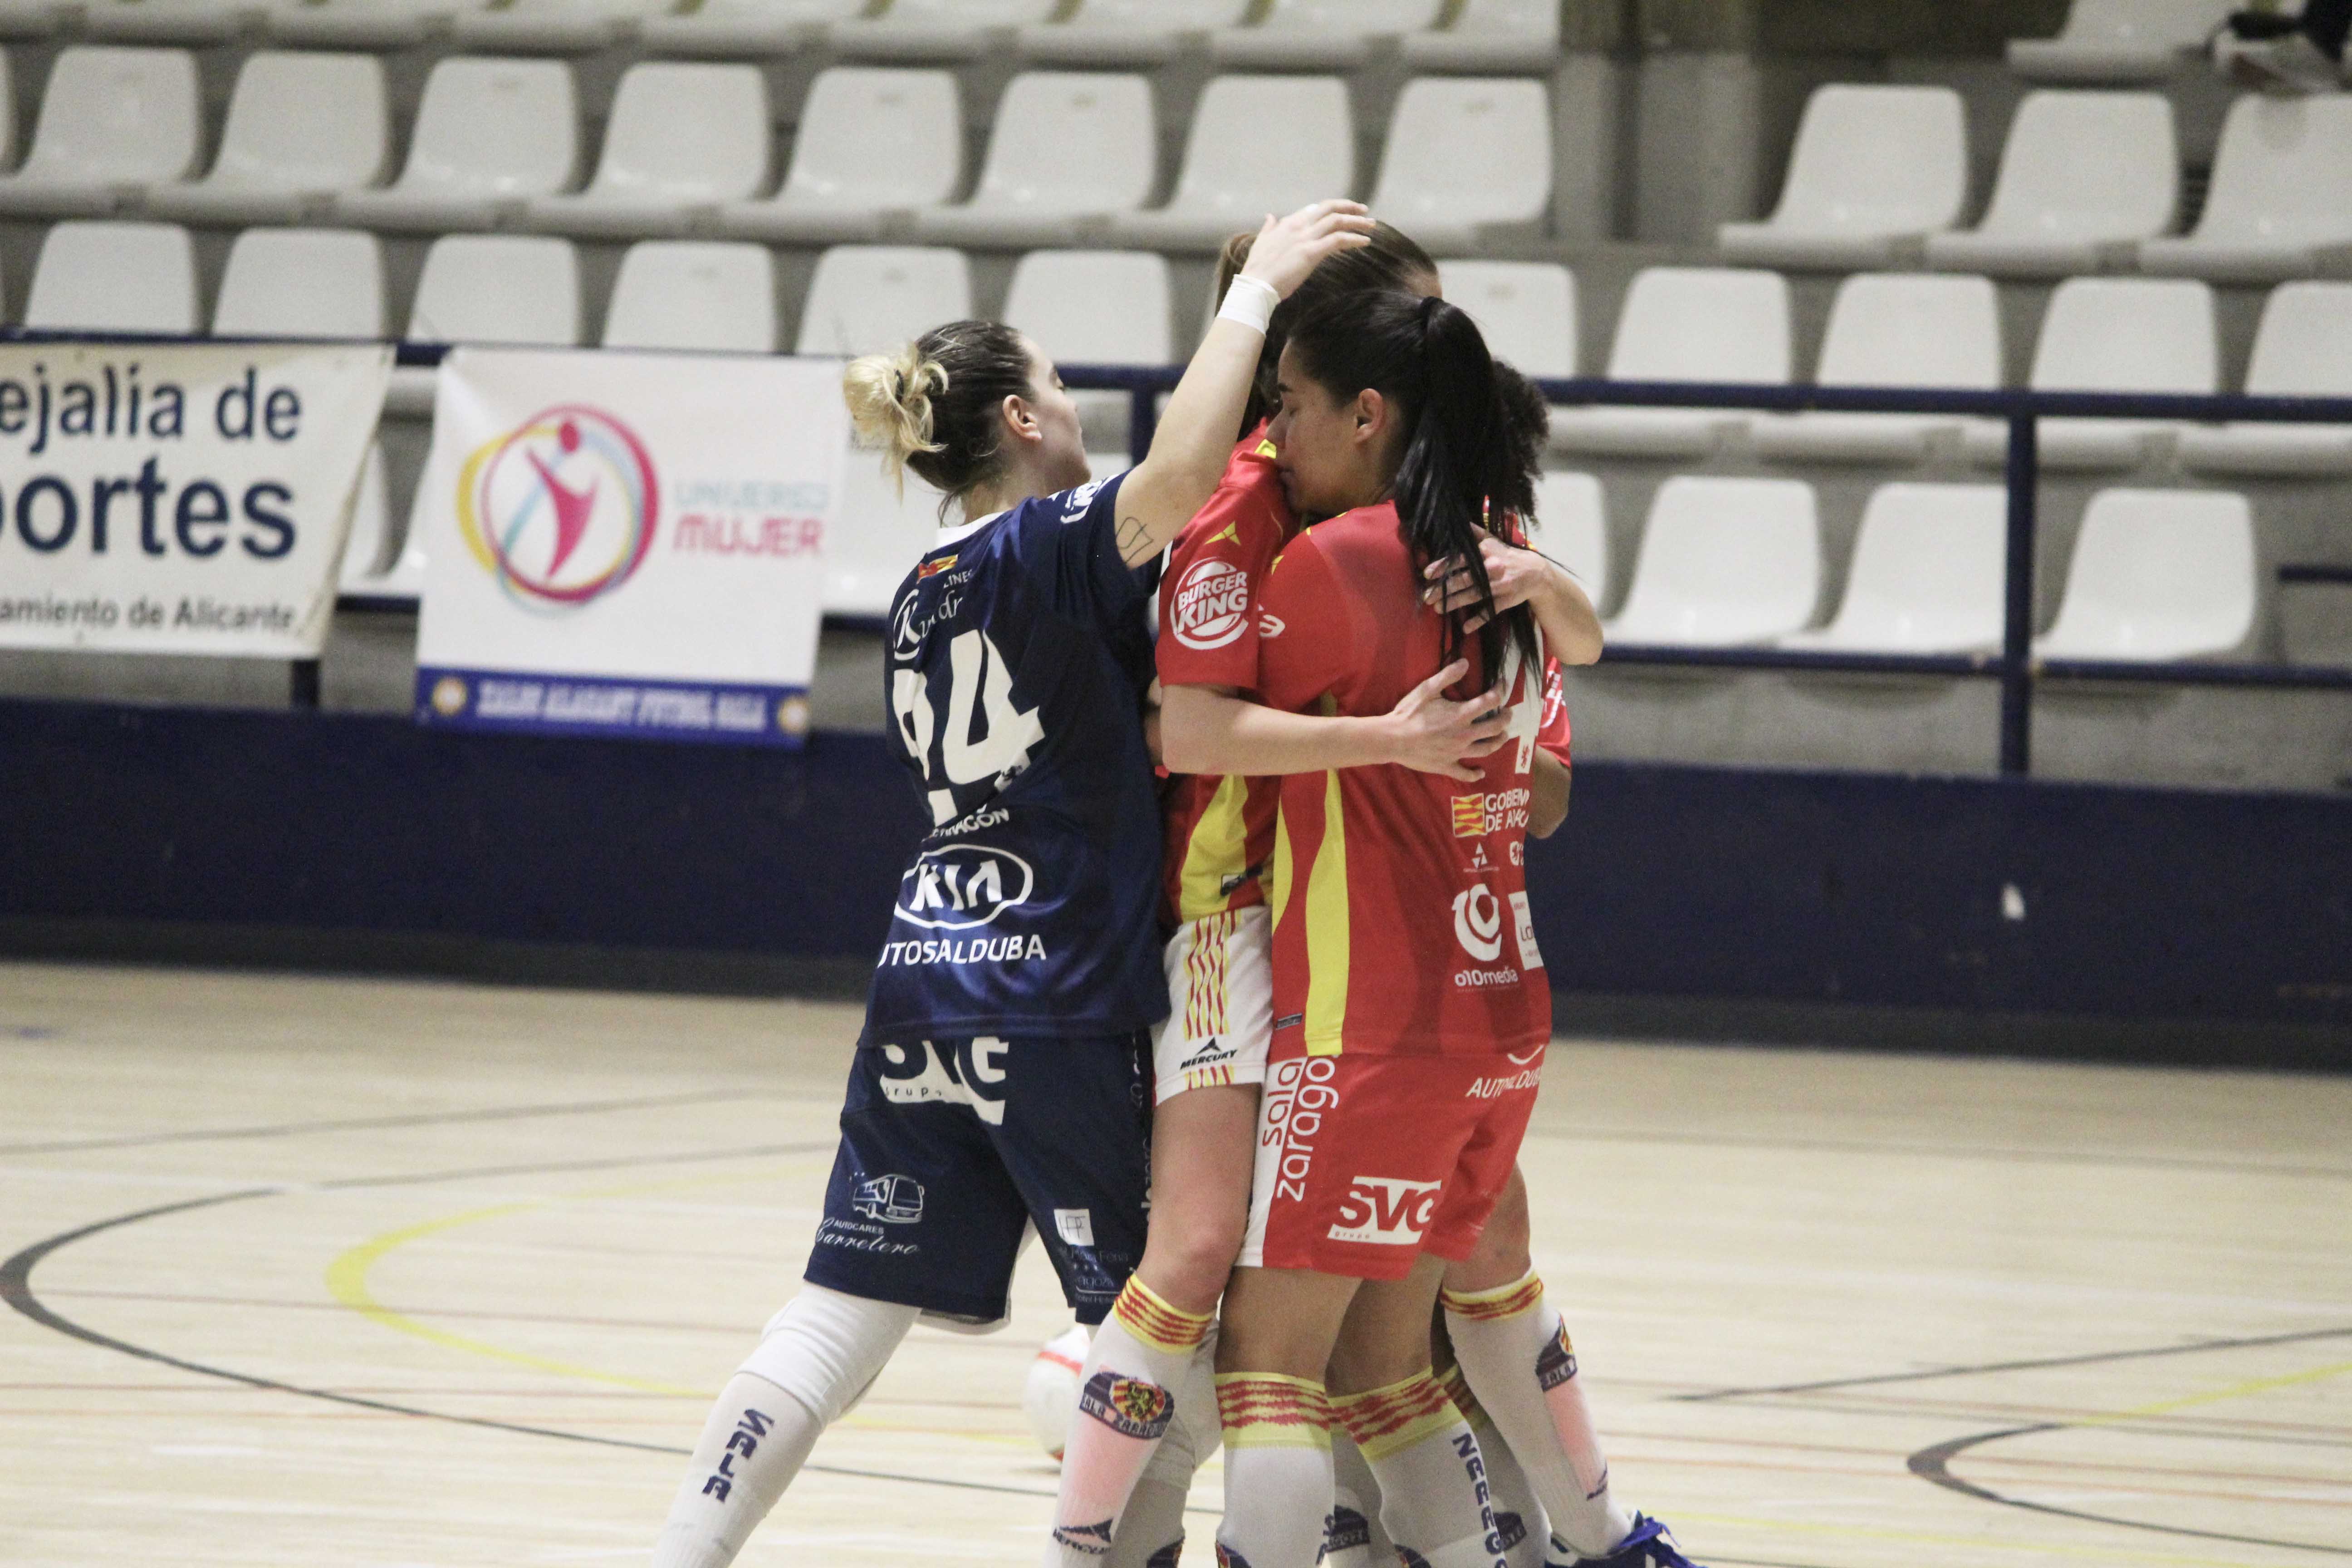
1287, 249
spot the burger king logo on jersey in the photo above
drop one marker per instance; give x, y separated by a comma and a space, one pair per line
1212, 604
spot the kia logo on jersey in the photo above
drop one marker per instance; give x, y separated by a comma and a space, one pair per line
961, 886
1386, 1211
1478, 922
1212, 604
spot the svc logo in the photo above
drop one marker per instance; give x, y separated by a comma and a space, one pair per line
963, 886
562, 508
1478, 922
962, 1072
1386, 1211
1212, 604
893, 1200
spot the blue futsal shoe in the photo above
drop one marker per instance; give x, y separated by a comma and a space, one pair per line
1652, 1545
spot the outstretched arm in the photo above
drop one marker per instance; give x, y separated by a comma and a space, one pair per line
1196, 434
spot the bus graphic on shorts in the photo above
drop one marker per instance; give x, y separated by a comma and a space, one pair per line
894, 1200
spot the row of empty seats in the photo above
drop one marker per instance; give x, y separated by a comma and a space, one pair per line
1313, 34
1074, 155
2088, 180
1678, 324
2156, 575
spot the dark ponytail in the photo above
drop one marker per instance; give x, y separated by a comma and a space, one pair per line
1462, 471
1390, 261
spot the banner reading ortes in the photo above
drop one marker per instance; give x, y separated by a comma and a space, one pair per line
626, 543
182, 500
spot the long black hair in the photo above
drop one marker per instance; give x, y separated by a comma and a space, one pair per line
1466, 453
1388, 260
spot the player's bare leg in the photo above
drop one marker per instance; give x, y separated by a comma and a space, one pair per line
1135, 1374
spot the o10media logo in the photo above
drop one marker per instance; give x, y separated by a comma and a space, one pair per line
562, 508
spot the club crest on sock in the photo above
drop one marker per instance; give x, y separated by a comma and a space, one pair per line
1556, 1364
1129, 1405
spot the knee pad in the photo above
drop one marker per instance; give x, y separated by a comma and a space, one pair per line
827, 1348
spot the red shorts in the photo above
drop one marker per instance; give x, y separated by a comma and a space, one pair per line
1364, 1163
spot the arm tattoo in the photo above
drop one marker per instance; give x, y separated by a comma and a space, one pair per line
1135, 543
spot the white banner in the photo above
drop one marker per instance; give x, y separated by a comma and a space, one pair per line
179, 499
626, 543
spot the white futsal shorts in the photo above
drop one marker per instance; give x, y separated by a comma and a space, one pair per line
1220, 1003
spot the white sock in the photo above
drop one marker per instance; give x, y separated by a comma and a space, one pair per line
1515, 1351
1277, 1471
1127, 1396
816, 1358
1518, 1515
1435, 1497
1152, 1529
1355, 1538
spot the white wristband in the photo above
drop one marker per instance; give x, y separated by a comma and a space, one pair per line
1251, 302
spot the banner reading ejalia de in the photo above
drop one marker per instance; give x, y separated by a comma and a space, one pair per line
626, 543
179, 499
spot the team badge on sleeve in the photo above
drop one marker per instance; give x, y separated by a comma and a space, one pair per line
1212, 603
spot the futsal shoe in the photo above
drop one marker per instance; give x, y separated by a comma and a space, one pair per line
1652, 1545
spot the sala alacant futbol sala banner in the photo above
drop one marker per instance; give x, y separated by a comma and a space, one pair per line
624, 543
179, 500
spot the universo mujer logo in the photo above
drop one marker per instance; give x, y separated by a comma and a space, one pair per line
562, 508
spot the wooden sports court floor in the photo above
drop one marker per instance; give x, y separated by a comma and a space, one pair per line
335, 1273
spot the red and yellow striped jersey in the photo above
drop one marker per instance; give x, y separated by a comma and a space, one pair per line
1400, 918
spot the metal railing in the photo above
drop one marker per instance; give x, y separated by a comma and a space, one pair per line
2015, 666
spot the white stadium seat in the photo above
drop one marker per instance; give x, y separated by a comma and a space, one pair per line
1094, 307
1892, 329
1233, 175
2302, 349
1929, 573
2115, 334
491, 133
1069, 150
167, 21
1468, 158
743, 27
1722, 563
358, 24
1128, 31
867, 298
1572, 528
1489, 34
1525, 310
937, 29
364, 569
2084, 176
1321, 34
301, 283
1875, 171
2280, 204
694, 294
113, 123
570, 24
682, 139
104, 277
1685, 323
874, 145
302, 128
2157, 574
33, 18
498, 288
2119, 40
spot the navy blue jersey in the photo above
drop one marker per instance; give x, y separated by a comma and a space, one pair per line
1019, 658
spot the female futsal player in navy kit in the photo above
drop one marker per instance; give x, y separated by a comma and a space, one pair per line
1001, 1079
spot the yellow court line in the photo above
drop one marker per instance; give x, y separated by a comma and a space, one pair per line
2235, 1391
1977, 1542
347, 1281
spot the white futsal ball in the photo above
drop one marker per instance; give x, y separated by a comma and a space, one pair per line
1050, 1398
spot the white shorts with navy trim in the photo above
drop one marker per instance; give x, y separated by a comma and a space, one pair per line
1220, 1003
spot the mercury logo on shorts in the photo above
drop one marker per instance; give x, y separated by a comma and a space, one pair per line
1478, 922
1386, 1211
1212, 604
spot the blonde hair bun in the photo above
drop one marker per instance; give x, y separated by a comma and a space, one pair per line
889, 398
